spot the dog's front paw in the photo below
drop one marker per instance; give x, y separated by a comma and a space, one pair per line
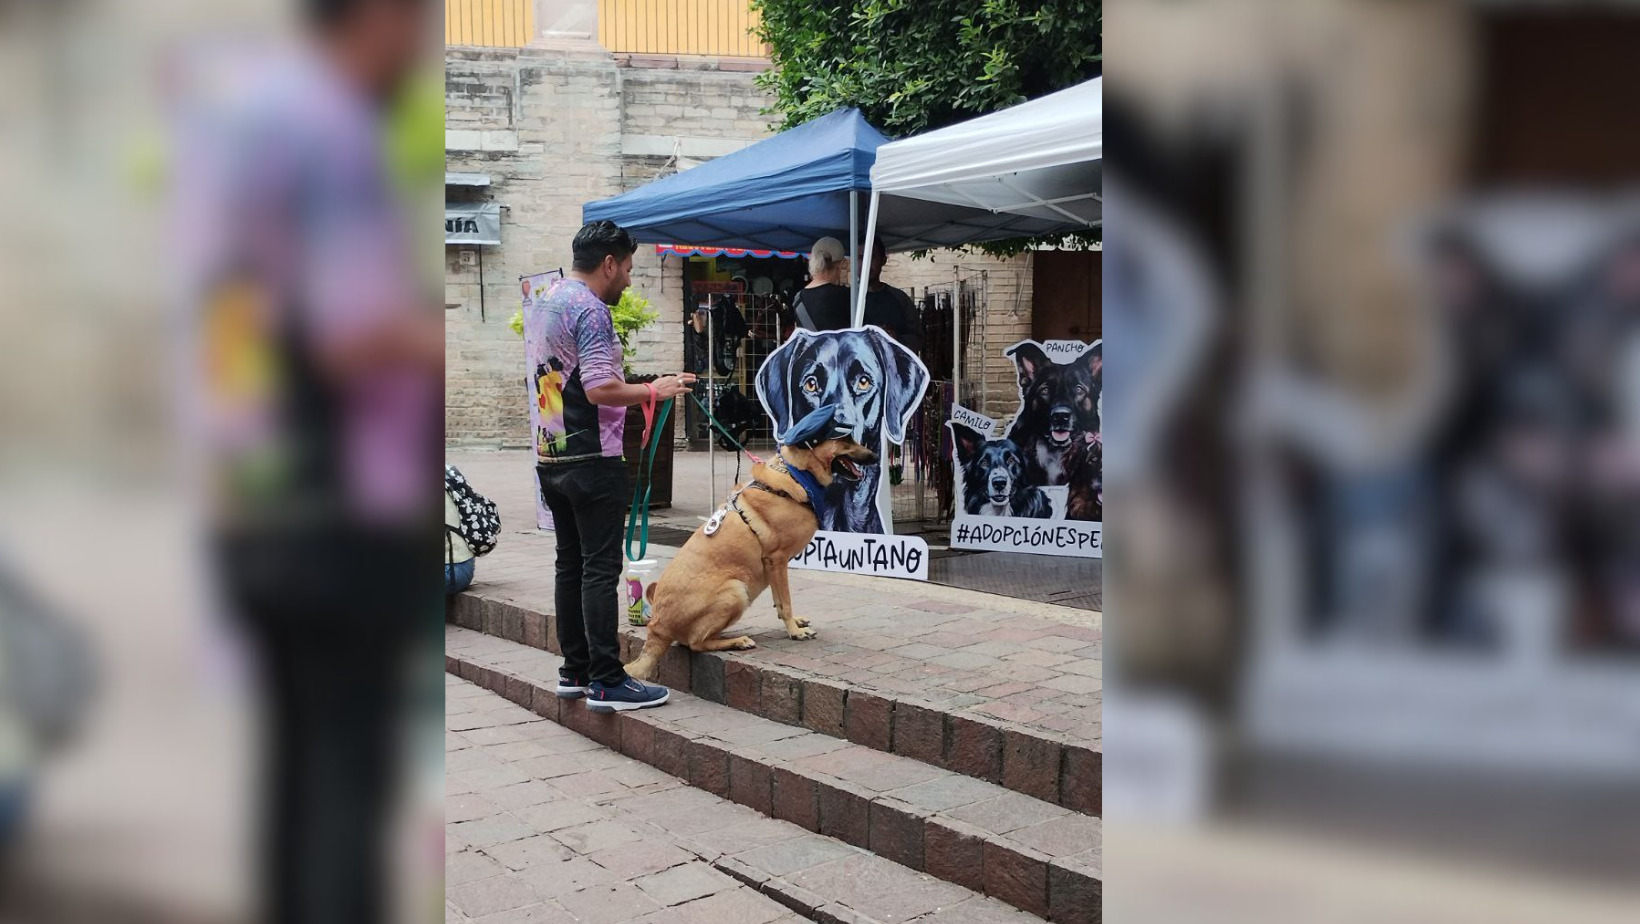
802, 634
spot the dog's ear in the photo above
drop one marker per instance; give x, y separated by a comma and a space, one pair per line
1094, 359
967, 440
773, 381
1030, 360
907, 380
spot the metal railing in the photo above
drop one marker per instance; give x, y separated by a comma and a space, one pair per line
494, 23
679, 27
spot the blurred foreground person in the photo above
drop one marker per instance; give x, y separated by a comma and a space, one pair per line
47, 679
321, 415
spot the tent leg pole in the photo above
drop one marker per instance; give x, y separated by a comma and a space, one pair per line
956, 345
871, 235
711, 437
853, 240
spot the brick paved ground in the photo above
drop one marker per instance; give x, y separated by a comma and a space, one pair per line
544, 825
1031, 665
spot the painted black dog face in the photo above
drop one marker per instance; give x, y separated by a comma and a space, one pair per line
993, 477
1060, 400
874, 382
991, 469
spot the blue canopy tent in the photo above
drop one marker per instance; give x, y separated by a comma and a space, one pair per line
781, 193
784, 192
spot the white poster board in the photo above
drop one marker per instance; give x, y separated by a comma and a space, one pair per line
865, 553
876, 385
1035, 486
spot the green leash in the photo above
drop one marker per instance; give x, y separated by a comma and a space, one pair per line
720, 428
646, 482
637, 524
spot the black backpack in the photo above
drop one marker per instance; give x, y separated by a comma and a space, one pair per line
480, 524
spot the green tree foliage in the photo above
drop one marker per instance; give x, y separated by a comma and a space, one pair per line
914, 65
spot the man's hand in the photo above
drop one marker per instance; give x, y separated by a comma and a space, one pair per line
670, 386
622, 394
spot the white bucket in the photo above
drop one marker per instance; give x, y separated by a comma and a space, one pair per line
639, 578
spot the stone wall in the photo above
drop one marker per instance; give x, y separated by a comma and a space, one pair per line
556, 127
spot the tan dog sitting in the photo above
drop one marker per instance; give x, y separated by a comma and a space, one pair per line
748, 544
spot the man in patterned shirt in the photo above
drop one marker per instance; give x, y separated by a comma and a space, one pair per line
578, 460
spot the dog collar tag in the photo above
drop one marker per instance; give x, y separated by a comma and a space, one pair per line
715, 522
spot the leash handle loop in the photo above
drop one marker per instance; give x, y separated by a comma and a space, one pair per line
649, 412
646, 481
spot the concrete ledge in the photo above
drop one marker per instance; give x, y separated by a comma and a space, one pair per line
665, 145
1033, 855
1025, 760
731, 63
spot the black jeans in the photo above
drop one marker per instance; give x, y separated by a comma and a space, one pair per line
588, 500
332, 614
332, 713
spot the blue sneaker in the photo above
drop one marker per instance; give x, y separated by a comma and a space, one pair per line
571, 686
633, 694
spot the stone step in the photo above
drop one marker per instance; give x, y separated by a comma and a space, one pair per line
1034, 855
1030, 761
547, 826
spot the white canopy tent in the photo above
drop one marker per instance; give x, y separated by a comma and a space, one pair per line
1039, 161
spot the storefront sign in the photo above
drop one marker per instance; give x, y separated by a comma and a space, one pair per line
1036, 487
732, 287
860, 553
472, 223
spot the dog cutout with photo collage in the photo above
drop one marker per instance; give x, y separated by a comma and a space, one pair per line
876, 385
1036, 486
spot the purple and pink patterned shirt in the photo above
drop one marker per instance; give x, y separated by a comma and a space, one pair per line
295, 244
582, 352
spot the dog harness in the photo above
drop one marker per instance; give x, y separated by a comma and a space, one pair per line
811, 487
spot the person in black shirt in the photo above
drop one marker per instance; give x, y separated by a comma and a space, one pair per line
824, 304
890, 308
697, 355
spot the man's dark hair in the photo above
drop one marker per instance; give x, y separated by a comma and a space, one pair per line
597, 240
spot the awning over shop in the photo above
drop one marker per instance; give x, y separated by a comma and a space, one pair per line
472, 223
692, 250
779, 194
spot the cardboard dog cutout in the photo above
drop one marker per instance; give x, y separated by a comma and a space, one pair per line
1035, 486
876, 385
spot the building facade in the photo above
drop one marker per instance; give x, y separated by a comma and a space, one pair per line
590, 108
